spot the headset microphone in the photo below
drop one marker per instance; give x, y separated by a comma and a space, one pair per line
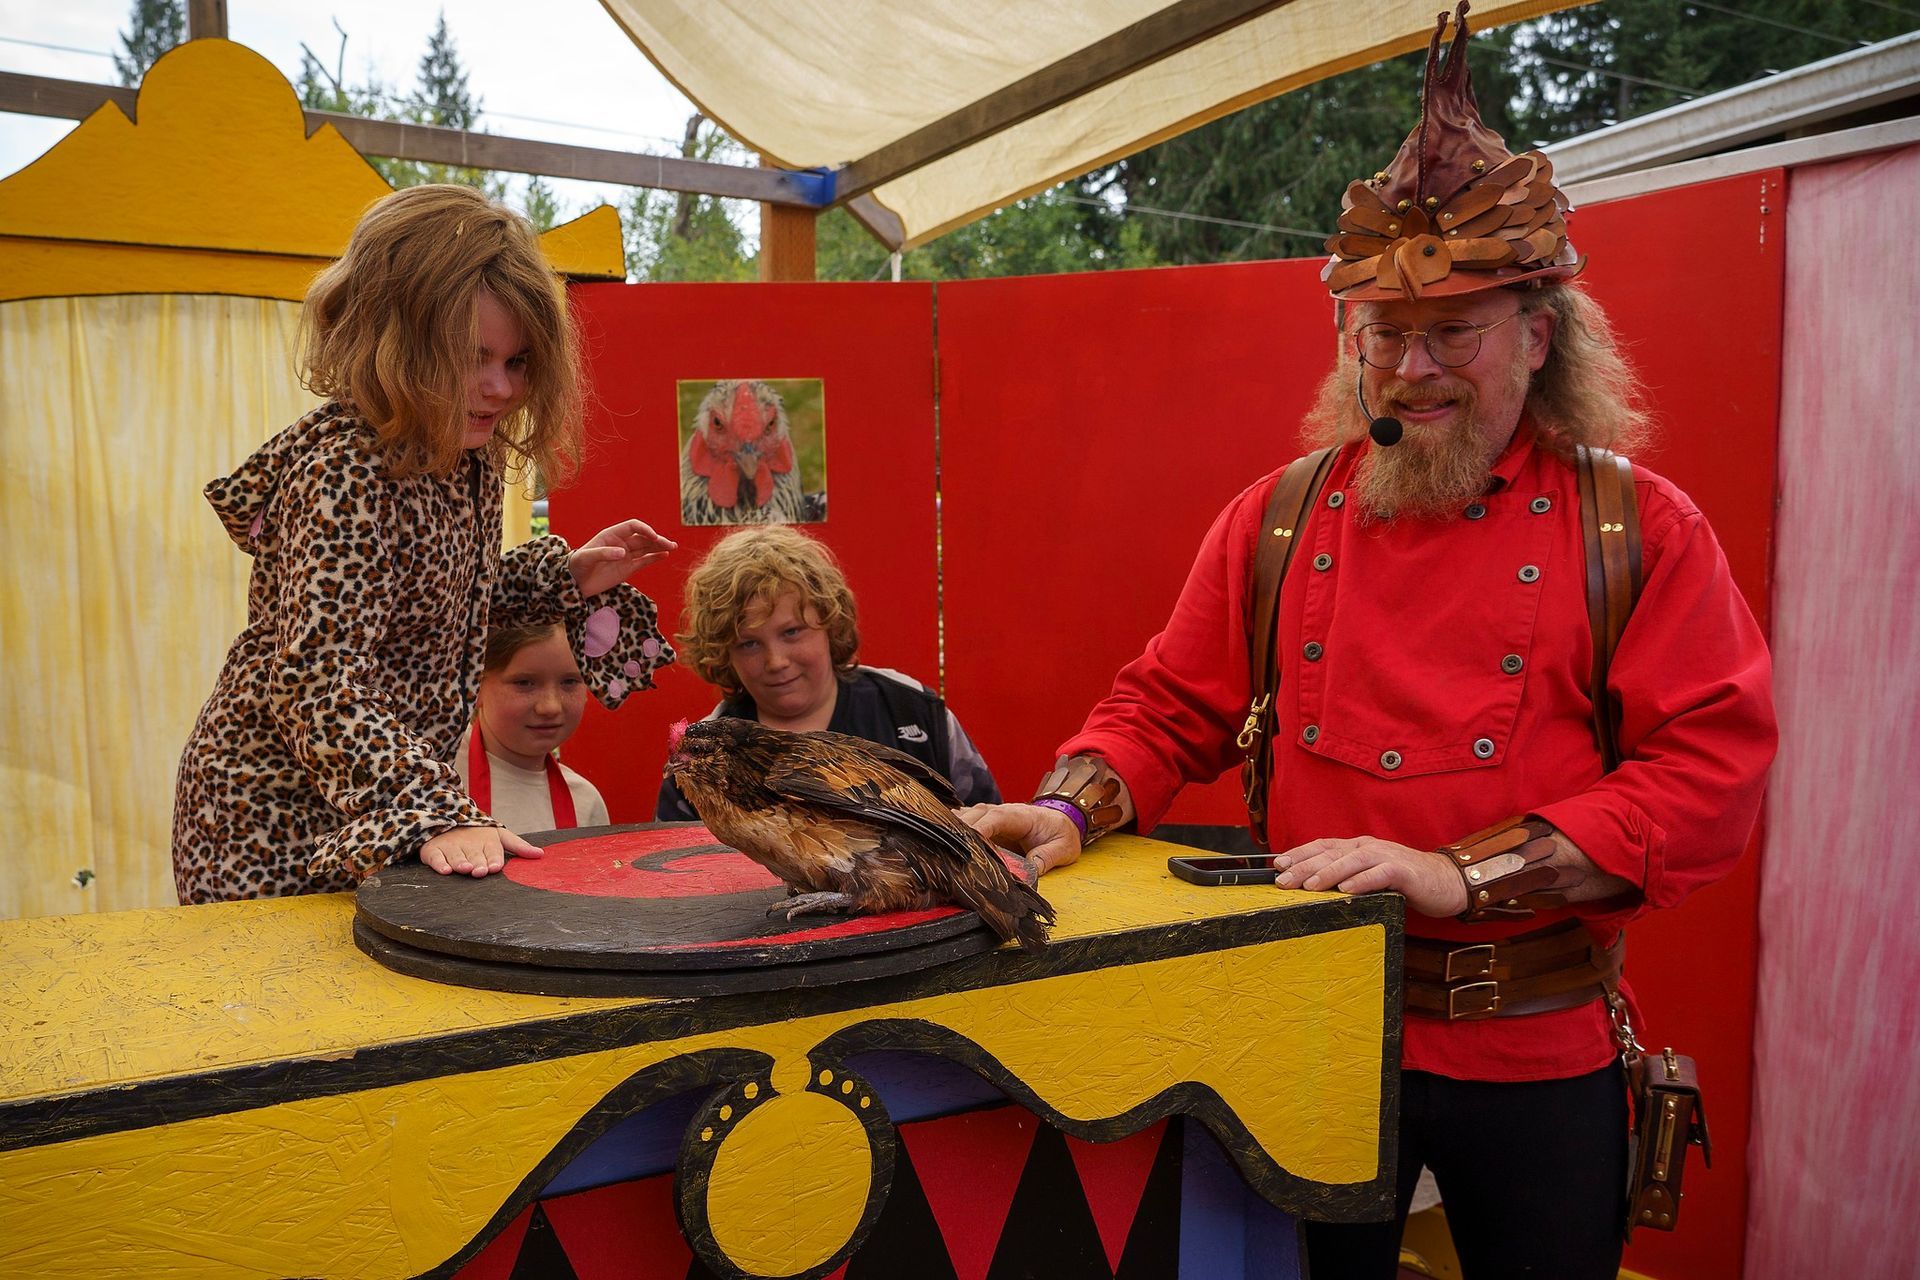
1386, 432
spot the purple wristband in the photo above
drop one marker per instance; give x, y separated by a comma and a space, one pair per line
1069, 808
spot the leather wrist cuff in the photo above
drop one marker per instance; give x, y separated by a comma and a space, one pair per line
1502, 868
1090, 785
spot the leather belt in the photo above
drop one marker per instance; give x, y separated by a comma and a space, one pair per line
1558, 967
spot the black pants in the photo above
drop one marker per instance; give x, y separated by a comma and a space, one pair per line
1533, 1177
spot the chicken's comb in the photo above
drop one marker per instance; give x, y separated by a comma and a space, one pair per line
676, 731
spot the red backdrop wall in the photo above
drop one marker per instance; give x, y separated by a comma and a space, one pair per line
1089, 429
1092, 426
872, 347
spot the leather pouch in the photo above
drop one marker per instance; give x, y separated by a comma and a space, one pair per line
1667, 1118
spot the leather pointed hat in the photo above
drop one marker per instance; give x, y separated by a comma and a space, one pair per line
1455, 212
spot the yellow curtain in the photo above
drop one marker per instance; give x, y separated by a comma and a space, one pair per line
119, 591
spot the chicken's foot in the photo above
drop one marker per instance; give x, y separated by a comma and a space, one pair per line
807, 904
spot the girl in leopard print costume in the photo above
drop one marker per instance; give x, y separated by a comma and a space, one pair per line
442, 344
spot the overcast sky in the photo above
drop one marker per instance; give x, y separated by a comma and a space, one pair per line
563, 71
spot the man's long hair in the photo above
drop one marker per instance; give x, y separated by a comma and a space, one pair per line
1586, 392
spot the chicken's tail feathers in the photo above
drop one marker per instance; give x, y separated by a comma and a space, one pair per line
1011, 908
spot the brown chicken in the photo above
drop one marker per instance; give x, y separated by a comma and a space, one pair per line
848, 824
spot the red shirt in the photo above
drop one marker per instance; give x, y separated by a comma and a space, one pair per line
1414, 618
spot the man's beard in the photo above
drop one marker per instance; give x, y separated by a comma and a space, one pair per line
1438, 467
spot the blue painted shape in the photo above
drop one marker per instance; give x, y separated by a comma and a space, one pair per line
911, 1086
916, 1086
638, 1147
815, 185
1227, 1232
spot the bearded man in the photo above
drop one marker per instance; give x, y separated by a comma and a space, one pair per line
1436, 676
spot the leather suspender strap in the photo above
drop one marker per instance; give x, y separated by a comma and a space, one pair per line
1610, 522
1284, 527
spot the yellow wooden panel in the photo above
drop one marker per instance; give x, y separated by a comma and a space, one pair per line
220, 159
394, 1180
206, 987
69, 268
789, 1185
216, 189
589, 247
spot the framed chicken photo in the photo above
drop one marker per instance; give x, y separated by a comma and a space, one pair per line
752, 451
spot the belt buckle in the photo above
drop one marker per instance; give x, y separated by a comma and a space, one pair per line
1473, 990
1476, 962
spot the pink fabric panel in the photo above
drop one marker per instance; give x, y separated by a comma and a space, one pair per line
1836, 1149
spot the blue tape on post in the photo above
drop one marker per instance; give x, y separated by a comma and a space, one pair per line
815, 186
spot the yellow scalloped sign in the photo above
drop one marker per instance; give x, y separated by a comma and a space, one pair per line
214, 187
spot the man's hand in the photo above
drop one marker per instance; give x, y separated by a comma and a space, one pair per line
615, 554
1046, 837
1366, 865
474, 851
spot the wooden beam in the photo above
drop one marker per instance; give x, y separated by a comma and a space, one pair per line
883, 222
75, 100
206, 18
64, 99
1178, 26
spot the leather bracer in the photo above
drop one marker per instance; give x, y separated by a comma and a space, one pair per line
1505, 870
1090, 785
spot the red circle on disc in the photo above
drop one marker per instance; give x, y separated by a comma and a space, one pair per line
603, 867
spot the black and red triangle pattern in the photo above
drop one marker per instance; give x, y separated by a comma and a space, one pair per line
995, 1194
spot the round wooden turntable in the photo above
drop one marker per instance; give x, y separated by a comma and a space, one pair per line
659, 909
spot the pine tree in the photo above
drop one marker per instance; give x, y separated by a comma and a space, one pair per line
541, 205
443, 96
158, 25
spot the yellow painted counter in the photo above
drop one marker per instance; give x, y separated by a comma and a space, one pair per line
237, 1090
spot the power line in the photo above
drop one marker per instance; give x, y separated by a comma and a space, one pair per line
1612, 75
61, 48
1784, 26
1130, 207
394, 99
406, 100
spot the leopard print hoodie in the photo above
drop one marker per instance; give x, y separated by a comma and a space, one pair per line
325, 749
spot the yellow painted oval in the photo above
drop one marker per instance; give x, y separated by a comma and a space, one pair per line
789, 1184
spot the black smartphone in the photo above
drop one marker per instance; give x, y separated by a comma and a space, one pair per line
1222, 869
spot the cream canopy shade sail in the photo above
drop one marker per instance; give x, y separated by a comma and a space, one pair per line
830, 83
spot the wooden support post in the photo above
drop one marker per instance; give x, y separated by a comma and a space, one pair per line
786, 242
206, 18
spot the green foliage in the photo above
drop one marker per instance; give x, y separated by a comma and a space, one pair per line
670, 235
441, 97
1285, 162
1649, 54
541, 205
157, 26
1064, 229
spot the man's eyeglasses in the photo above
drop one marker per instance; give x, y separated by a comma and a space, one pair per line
1451, 343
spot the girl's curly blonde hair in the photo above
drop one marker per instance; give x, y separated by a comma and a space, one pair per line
748, 572
391, 329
